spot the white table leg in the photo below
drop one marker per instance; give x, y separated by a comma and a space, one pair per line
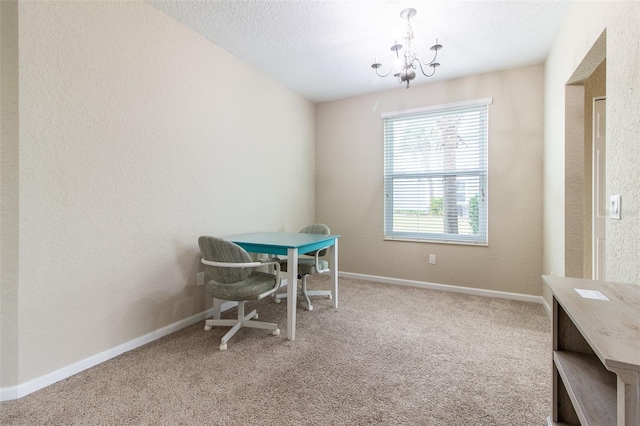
292, 291
333, 266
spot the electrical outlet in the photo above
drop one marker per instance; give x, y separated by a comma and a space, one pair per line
200, 278
432, 259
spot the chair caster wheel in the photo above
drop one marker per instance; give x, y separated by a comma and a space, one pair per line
276, 332
223, 347
276, 301
309, 307
330, 297
255, 317
207, 328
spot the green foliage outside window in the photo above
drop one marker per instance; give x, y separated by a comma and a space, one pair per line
437, 206
473, 214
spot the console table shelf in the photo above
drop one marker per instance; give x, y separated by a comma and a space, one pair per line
590, 387
596, 352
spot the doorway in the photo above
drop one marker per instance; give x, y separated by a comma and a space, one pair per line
586, 84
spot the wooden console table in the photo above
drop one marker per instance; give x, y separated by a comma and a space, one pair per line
596, 352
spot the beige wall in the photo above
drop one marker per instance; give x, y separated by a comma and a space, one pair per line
134, 139
349, 184
585, 23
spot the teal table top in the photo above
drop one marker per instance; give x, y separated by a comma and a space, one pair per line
280, 242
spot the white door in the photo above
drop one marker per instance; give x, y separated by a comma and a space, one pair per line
599, 189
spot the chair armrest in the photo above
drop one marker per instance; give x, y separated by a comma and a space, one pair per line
275, 263
317, 257
231, 265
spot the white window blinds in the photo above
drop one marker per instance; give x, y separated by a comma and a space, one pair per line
435, 173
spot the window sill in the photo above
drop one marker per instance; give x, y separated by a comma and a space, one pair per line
415, 240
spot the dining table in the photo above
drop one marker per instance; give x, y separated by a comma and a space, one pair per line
292, 245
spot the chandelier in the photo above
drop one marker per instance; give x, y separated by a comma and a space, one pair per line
410, 58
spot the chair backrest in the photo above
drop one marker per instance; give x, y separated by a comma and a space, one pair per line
316, 228
219, 250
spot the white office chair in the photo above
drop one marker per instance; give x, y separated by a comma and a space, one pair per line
234, 278
309, 264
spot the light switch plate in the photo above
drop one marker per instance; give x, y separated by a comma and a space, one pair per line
615, 207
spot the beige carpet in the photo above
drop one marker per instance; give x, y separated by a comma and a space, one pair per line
390, 355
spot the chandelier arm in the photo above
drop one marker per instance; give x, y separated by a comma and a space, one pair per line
435, 56
383, 75
422, 69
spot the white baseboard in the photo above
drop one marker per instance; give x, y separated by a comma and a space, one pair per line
14, 392
547, 307
8, 393
446, 287
18, 391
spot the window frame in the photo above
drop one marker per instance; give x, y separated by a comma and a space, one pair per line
480, 239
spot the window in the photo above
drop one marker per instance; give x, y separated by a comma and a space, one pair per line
435, 173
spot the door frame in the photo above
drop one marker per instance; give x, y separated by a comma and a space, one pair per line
598, 180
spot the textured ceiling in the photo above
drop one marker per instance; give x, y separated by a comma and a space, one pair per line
324, 49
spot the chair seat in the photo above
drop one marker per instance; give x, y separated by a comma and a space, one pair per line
256, 284
306, 266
